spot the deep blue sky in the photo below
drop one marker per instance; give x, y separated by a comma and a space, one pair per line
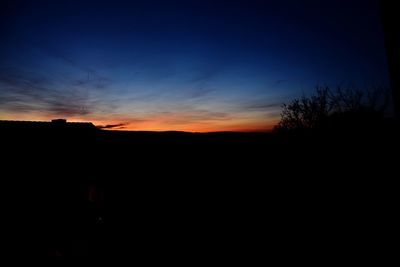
192, 65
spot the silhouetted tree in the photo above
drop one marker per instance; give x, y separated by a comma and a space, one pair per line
332, 108
391, 19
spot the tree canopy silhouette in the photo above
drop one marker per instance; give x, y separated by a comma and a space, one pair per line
327, 108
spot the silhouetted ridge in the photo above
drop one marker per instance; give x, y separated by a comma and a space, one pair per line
61, 124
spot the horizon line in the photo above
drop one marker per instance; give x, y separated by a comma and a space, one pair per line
103, 128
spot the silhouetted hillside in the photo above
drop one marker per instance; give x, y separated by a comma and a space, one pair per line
41, 127
74, 191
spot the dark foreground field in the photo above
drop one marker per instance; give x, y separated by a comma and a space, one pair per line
79, 192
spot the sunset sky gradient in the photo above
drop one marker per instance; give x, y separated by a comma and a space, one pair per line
181, 65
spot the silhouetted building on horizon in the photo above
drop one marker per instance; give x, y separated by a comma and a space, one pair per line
46, 125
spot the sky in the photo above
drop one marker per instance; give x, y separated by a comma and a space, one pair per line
194, 65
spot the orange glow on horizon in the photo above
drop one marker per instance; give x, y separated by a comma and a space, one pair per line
162, 123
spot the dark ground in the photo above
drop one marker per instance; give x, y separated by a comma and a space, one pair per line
194, 198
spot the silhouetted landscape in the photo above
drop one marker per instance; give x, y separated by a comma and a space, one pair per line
199, 132
82, 192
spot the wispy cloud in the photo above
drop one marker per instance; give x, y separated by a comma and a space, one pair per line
113, 126
23, 91
89, 76
259, 106
279, 82
92, 79
191, 115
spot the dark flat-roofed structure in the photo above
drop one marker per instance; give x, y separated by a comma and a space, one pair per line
46, 125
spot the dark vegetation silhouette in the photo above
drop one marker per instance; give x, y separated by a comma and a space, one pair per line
329, 110
390, 20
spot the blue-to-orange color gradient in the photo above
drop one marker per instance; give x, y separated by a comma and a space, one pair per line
194, 65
